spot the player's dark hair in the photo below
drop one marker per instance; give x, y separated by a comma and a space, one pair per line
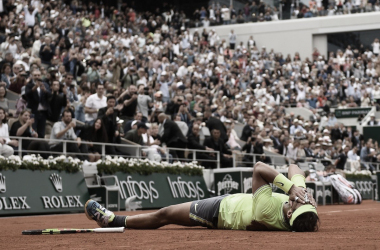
306, 222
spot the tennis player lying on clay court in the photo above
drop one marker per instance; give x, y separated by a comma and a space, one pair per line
262, 210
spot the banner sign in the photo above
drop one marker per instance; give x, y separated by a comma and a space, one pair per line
236, 180
233, 180
158, 190
364, 186
40, 192
351, 112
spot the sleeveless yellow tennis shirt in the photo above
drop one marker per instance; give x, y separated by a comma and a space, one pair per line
258, 212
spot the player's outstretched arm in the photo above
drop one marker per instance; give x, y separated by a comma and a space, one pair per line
263, 174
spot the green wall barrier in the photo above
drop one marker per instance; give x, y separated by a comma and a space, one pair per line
160, 190
41, 192
371, 132
363, 183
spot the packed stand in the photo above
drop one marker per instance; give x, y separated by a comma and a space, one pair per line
258, 11
85, 74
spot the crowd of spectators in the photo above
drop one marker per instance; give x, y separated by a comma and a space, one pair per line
145, 78
258, 11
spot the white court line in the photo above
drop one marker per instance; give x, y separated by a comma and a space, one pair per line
351, 210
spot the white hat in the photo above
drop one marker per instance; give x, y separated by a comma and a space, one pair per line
295, 120
119, 121
267, 140
326, 131
54, 14
25, 55
163, 73
134, 123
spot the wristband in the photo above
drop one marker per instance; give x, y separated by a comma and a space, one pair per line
299, 180
283, 183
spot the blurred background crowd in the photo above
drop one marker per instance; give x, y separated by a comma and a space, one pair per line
88, 72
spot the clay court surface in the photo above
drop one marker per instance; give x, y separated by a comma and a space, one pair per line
343, 227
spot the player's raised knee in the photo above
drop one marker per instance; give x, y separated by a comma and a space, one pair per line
259, 165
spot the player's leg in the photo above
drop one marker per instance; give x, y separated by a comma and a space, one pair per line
176, 214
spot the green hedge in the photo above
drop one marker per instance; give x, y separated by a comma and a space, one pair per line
146, 167
147, 170
358, 176
32, 162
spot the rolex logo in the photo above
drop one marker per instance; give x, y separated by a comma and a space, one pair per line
57, 182
2, 184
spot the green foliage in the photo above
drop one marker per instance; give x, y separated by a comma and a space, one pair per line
358, 177
147, 169
37, 163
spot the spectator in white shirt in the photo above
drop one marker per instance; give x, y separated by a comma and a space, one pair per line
376, 47
36, 45
351, 155
182, 71
290, 150
206, 22
94, 103
141, 40
232, 39
11, 46
226, 14
296, 126
301, 92
5, 143
30, 17
64, 130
